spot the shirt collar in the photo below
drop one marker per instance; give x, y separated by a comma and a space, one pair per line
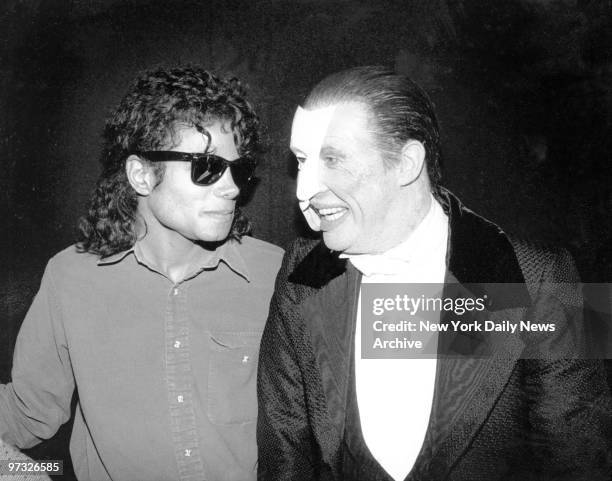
423, 241
115, 258
228, 253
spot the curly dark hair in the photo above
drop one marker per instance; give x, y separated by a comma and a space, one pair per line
148, 118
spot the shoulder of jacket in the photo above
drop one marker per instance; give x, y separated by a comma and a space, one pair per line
299, 249
543, 262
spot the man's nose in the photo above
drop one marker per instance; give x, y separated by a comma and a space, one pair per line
308, 180
226, 187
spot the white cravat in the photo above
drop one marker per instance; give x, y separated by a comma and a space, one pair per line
395, 396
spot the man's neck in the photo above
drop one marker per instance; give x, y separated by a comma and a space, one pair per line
420, 204
171, 254
408, 213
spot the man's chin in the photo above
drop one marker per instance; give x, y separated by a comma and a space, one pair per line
334, 242
217, 237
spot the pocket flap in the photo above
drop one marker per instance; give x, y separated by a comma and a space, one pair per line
235, 340
232, 377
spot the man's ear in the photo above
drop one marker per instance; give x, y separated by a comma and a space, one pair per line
140, 175
412, 162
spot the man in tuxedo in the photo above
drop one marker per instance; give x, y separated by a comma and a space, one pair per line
367, 147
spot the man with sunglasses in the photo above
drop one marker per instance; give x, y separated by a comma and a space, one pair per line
155, 316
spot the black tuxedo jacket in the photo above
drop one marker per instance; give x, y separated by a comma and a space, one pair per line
501, 417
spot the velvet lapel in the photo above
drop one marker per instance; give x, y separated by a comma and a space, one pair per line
466, 389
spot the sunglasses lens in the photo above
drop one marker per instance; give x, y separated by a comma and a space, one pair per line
207, 169
242, 171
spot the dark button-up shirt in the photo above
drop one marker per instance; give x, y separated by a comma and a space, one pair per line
165, 372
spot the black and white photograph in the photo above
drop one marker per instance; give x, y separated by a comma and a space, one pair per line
295, 240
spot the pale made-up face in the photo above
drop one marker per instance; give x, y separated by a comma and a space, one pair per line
343, 187
194, 212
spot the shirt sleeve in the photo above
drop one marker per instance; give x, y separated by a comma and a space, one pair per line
37, 401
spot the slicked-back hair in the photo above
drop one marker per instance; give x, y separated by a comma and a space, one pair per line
400, 111
157, 106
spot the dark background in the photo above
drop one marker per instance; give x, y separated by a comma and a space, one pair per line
523, 89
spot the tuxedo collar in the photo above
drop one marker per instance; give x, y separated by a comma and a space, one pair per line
318, 268
478, 252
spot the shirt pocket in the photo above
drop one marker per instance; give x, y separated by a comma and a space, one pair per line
232, 377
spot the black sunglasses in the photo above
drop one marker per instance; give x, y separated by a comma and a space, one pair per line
206, 169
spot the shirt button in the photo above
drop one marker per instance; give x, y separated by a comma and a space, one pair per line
187, 452
245, 359
177, 344
180, 399
175, 291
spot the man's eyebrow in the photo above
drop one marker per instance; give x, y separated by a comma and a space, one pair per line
327, 150
297, 151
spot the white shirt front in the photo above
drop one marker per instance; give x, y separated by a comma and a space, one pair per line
395, 396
